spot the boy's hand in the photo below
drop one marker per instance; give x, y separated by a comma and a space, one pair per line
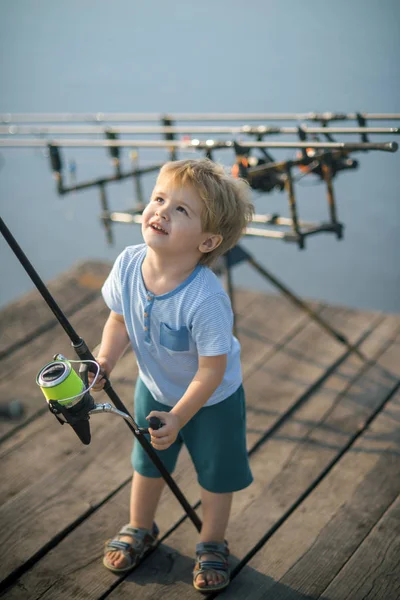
162, 438
98, 386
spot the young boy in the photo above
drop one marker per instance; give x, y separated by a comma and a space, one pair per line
172, 309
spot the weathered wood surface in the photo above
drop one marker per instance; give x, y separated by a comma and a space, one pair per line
284, 468
373, 570
30, 316
307, 400
59, 477
319, 538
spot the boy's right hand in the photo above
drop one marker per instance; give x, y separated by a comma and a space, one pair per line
100, 382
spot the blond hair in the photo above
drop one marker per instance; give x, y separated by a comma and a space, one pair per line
227, 204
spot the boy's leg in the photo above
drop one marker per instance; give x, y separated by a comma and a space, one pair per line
147, 484
145, 496
216, 440
216, 509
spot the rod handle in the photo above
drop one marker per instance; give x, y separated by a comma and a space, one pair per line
155, 423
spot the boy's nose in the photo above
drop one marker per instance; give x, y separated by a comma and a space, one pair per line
162, 213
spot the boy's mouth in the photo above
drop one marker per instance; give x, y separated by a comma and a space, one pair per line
158, 228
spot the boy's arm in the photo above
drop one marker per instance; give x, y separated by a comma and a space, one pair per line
114, 341
209, 375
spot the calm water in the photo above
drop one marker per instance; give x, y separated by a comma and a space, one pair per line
213, 56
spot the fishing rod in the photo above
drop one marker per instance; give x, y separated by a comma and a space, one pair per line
197, 144
68, 395
14, 130
138, 117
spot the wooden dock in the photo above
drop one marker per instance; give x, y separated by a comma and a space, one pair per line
322, 518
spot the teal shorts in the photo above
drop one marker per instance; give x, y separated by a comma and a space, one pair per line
215, 438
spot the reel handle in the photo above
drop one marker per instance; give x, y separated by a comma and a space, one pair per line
154, 423
86, 368
84, 373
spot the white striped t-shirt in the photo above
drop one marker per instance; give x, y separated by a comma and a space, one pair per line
169, 332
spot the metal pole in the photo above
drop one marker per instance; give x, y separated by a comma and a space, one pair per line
303, 306
292, 204
327, 175
207, 145
106, 218
15, 130
101, 117
140, 202
229, 287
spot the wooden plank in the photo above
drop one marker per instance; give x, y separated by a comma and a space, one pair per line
92, 313
18, 464
283, 469
319, 538
20, 369
75, 489
26, 440
269, 325
25, 319
24, 456
94, 577
373, 570
19, 384
30, 317
40, 436
28, 466
244, 299
272, 386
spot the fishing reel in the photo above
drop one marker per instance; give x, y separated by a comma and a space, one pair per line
69, 399
313, 163
316, 167
263, 182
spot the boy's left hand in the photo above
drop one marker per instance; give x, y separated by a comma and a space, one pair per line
162, 438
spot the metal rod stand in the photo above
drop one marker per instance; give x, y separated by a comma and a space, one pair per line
238, 254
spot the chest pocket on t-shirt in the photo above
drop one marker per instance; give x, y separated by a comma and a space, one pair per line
174, 339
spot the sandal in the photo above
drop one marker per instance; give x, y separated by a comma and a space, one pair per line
220, 565
142, 540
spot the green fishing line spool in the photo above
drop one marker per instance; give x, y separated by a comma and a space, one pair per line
58, 381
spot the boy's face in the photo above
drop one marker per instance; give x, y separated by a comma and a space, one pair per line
172, 219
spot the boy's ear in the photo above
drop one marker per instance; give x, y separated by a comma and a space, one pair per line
212, 241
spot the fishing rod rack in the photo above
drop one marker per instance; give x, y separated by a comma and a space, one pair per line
323, 159
264, 173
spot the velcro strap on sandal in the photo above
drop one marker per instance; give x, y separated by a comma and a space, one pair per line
135, 532
117, 545
138, 532
212, 548
211, 565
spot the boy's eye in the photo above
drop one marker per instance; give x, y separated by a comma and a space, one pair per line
182, 209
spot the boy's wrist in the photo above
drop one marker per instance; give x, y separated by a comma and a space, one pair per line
178, 417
